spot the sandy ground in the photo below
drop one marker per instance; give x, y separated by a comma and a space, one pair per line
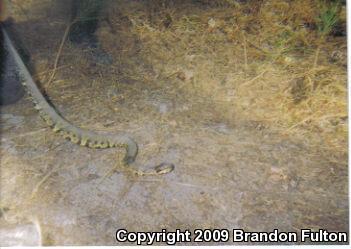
235, 174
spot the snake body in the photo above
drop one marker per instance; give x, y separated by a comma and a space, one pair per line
75, 134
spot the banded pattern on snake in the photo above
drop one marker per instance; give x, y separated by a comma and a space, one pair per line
73, 133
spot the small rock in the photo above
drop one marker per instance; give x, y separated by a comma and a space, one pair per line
173, 123
163, 108
185, 75
277, 174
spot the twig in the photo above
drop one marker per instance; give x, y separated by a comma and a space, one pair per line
113, 170
31, 133
59, 53
36, 188
316, 57
301, 122
253, 79
257, 47
245, 53
49, 70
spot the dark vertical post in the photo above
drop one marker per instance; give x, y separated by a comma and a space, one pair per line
85, 14
11, 89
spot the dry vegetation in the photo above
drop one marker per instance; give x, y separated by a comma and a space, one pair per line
272, 63
267, 62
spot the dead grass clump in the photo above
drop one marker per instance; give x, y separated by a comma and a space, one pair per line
264, 62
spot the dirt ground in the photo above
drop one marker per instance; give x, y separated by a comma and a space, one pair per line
230, 171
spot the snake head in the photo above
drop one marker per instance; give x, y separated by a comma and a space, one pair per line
164, 168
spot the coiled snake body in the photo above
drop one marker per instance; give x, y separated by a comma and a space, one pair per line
75, 134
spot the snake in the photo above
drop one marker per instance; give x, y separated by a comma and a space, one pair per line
75, 134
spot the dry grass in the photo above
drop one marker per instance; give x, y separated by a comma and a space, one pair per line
262, 61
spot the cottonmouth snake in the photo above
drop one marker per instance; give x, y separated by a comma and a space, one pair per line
73, 133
